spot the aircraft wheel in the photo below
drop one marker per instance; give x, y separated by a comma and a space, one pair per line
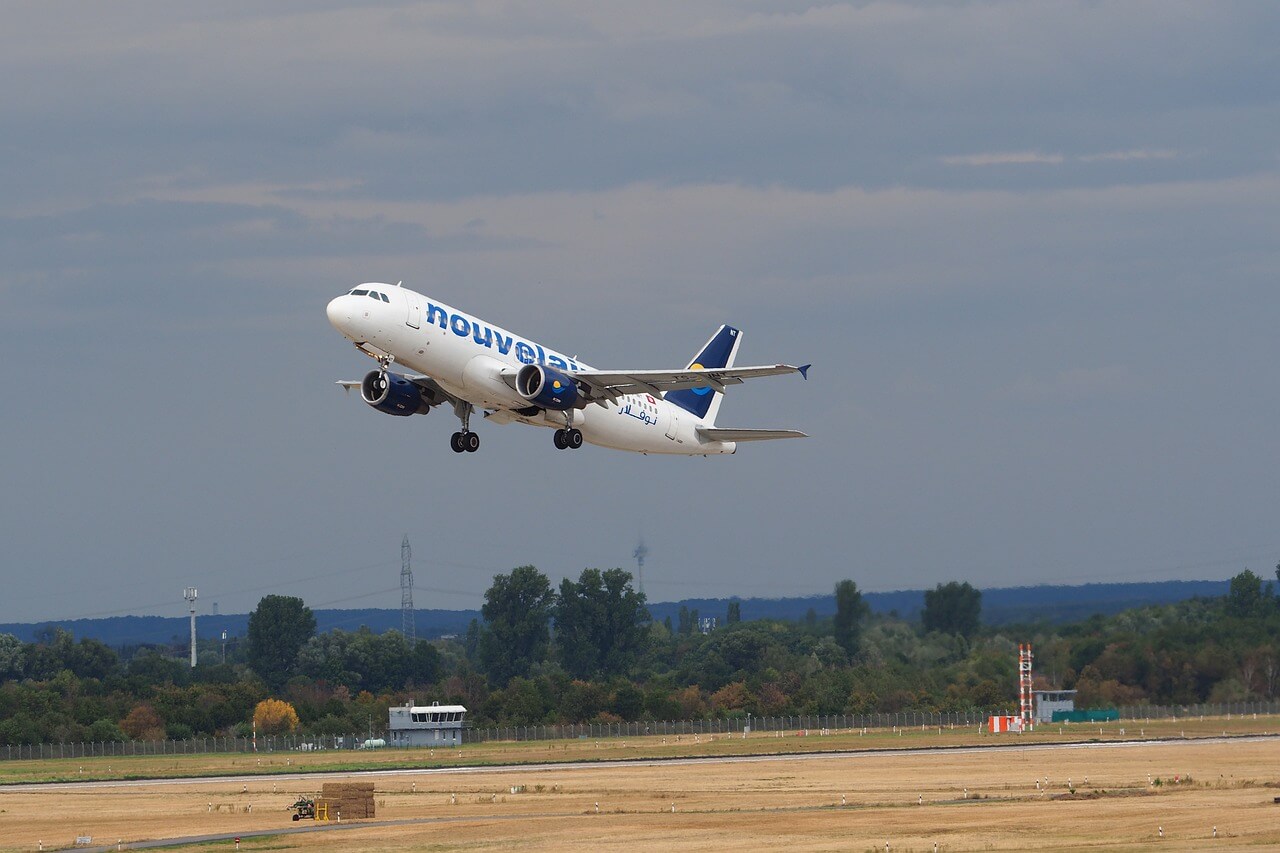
560, 440
473, 442
457, 442
574, 439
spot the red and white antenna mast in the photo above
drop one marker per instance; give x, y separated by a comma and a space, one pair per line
1024, 686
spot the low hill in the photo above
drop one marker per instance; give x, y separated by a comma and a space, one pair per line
1001, 606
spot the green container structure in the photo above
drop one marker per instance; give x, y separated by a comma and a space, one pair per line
1095, 715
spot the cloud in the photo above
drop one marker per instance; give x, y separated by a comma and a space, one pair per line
1019, 158
449, 100
1004, 159
1131, 154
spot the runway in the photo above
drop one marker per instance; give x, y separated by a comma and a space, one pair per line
851, 755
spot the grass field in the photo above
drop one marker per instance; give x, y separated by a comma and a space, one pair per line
1061, 798
607, 749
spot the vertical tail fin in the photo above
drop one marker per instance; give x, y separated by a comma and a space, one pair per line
720, 351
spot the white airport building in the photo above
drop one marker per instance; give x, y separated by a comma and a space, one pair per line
425, 725
1048, 701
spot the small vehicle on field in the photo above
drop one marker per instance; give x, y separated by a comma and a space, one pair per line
304, 808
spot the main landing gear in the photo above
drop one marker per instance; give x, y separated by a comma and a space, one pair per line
568, 438
465, 441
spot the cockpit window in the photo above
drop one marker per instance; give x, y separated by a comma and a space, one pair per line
359, 292
384, 298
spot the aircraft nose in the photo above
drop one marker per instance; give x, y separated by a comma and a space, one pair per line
338, 313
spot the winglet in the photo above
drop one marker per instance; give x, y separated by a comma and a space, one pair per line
804, 370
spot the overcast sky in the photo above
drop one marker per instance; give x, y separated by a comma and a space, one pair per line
1030, 247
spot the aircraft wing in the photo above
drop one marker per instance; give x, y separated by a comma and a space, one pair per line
611, 384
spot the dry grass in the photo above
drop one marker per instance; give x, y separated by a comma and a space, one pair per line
605, 749
911, 801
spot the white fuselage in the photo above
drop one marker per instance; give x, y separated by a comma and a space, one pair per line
467, 356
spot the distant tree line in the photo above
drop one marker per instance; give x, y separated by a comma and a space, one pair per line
588, 651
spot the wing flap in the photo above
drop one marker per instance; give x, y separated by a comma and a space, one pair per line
610, 384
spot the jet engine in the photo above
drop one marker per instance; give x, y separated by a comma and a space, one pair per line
546, 387
392, 393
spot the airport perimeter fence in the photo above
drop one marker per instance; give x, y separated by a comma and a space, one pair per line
808, 724
1214, 709
730, 725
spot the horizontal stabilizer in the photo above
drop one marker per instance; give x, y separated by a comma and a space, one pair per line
717, 434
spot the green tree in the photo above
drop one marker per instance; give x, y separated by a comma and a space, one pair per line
524, 702
149, 668
516, 610
952, 608
581, 701
471, 640
850, 611
56, 650
278, 629
364, 660
1246, 597
424, 663
600, 623
734, 616
628, 702
13, 657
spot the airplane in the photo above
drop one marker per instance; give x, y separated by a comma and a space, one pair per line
469, 364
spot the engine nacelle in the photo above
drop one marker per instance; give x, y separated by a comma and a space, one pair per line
546, 387
392, 393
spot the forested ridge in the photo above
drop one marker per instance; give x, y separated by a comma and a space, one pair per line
589, 650
1002, 605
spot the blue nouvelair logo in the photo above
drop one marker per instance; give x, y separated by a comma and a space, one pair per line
487, 336
697, 401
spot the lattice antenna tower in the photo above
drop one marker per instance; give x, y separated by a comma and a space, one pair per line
406, 594
640, 553
1024, 685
